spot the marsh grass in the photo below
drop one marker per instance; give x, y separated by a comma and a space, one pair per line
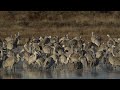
74, 23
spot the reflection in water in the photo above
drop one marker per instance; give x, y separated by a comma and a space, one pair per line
59, 74
11, 75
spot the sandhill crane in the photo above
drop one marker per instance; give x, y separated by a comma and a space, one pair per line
53, 50
111, 50
92, 50
116, 51
28, 47
74, 58
9, 62
54, 55
84, 62
46, 40
12, 42
35, 46
18, 57
55, 58
32, 58
90, 59
9, 38
47, 50
41, 39
48, 62
16, 41
114, 61
116, 40
57, 50
10, 45
63, 59
102, 47
54, 40
25, 55
73, 42
4, 51
95, 39
40, 61
82, 50
110, 41
80, 42
65, 43
62, 39
68, 51
1, 54
98, 54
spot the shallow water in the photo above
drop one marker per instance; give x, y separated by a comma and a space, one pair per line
64, 74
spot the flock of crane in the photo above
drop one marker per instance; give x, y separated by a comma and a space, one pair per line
51, 52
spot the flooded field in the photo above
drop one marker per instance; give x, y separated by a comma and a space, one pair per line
60, 75
60, 44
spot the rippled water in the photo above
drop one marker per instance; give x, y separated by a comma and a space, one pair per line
64, 74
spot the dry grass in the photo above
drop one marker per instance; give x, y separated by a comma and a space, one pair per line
74, 23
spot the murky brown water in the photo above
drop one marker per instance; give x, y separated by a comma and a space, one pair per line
64, 74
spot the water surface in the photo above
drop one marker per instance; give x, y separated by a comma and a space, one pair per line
60, 74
